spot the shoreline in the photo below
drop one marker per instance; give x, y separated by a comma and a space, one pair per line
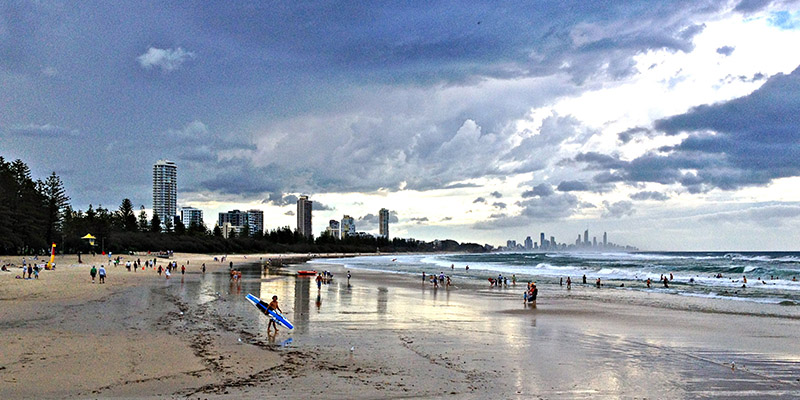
140, 336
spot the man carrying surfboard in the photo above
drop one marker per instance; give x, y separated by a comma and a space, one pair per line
273, 305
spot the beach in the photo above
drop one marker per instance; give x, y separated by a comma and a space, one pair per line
378, 335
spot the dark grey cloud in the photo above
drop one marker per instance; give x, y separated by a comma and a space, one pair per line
618, 209
419, 220
541, 190
496, 195
572, 186
479, 200
317, 206
290, 212
445, 219
649, 195
747, 141
726, 50
627, 135
499, 205
749, 6
461, 185
280, 199
371, 221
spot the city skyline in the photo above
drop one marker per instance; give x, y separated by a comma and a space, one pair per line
672, 126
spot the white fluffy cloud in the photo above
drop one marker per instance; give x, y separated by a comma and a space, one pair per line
165, 59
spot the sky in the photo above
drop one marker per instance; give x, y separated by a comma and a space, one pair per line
671, 125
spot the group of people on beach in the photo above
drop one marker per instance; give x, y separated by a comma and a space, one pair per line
30, 268
441, 280
502, 281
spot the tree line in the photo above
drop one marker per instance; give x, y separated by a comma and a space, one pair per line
35, 213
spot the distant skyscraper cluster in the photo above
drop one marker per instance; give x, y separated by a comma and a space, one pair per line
165, 190
347, 226
165, 204
582, 243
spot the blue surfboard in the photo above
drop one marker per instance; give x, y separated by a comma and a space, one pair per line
272, 314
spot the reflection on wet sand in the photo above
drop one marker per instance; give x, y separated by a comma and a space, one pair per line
302, 308
383, 299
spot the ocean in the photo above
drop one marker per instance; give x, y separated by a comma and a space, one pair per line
769, 275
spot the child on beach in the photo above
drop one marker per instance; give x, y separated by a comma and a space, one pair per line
102, 272
93, 272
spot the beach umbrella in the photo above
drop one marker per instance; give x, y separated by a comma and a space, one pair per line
90, 238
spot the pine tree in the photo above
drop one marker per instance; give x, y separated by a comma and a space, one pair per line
56, 201
126, 216
155, 223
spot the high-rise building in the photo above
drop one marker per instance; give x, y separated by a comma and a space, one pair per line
594, 241
605, 239
234, 218
255, 218
348, 226
578, 240
237, 220
191, 215
511, 244
586, 237
333, 228
165, 190
383, 222
553, 244
542, 245
304, 206
528, 243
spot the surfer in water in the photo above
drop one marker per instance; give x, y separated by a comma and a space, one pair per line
273, 305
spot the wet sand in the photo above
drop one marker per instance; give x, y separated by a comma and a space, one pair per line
199, 338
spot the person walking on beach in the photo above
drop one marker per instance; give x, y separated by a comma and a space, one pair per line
30, 271
274, 307
102, 273
93, 272
183, 270
648, 283
348, 276
204, 268
598, 283
159, 270
319, 281
584, 279
569, 283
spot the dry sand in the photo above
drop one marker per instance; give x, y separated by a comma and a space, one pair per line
141, 336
